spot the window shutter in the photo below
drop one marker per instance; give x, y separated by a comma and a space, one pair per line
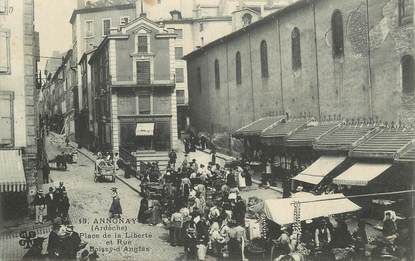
4, 51
143, 72
2, 6
142, 44
6, 120
179, 75
144, 104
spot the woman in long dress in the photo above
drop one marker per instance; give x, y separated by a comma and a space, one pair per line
115, 209
241, 179
143, 211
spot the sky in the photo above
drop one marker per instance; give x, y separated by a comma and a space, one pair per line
52, 23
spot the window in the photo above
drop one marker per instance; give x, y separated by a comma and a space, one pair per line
180, 97
143, 72
246, 19
178, 52
6, 119
142, 46
201, 27
199, 79
179, 75
337, 34
179, 33
407, 63
124, 20
144, 104
264, 59
217, 74
3, 6
106, 26
406, 11
295, 49
238, 68
89, 28
4, 52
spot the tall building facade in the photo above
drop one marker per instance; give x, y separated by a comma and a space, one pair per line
196, 23
18, 117
134, 89
314, 58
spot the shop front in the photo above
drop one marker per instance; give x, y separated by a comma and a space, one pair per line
145, 133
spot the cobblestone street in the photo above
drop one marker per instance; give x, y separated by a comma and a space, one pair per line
90, 201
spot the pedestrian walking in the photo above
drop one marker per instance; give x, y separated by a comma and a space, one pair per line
115, 209
39, 203
63, 207
51, 204
266, 179
203, 142
172, 159
213, 152
143, 211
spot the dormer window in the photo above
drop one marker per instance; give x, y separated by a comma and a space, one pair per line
124, 20
247, 19
142, 44
176, 15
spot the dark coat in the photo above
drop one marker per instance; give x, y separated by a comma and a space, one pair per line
39, 200
143, 212
116, 206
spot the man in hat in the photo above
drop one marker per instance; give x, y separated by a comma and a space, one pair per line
172, 159
51, 204
63, 206
73, 242
39, 203
115, 209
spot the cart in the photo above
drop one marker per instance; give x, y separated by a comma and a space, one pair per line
104, 171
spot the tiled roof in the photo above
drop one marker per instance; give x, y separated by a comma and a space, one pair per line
384, 144
277, 134
307, 135
344, 137
256, 127
408, 155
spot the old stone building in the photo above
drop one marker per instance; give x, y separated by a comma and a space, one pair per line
134, 89
20, 175
351, 59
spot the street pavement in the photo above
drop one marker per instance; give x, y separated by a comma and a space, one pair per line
89, 210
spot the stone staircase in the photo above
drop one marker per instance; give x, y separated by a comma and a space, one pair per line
162, 157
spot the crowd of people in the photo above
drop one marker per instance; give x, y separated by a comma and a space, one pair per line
54, 204
201, 205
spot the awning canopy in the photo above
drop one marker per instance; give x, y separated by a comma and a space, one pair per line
360, 174
281, 211
12, 176
315, 173
257, 127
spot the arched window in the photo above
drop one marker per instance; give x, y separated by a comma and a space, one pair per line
264, 59
337, 34
238, 68
247, 19
217, 74
407, 64
295, 49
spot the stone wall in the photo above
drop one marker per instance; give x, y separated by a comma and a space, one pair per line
365, 82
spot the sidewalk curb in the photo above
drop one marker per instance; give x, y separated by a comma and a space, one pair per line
93, 160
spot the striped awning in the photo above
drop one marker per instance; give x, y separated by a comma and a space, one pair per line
12, 176
319, 169
360, 174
